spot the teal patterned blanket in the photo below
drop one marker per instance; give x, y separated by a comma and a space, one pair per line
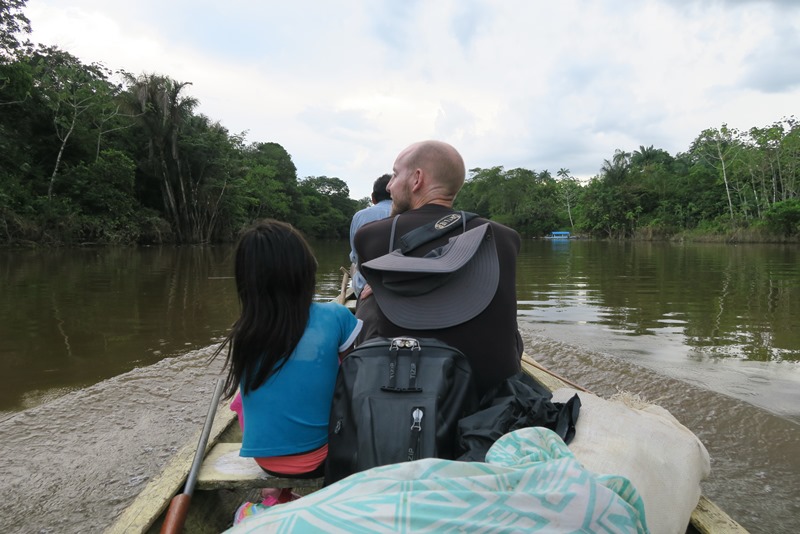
530, 482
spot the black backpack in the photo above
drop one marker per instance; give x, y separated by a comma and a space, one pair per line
397, 400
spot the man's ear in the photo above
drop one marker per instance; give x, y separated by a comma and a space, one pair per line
417, 180
372, 196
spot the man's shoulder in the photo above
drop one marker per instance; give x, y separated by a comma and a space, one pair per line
375, 225
430, 213
496, 226
361, 213
503, 233
371, 213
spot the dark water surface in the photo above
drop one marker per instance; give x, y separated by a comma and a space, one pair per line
722, 317
711, 332
73, 317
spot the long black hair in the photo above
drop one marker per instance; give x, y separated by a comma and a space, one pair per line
275, 279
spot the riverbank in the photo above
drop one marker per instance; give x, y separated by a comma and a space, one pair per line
737, 236
743, 235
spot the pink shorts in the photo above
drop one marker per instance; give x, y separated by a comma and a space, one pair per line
292, 464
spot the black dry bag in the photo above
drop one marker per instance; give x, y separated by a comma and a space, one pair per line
397, 400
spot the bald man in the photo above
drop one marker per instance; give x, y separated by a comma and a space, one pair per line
426, 177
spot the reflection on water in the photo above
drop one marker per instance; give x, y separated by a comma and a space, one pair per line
72, 317
723, 317
723, 301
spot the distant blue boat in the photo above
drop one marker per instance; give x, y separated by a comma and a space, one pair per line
557, 235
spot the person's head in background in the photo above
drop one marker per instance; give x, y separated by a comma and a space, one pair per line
379, 191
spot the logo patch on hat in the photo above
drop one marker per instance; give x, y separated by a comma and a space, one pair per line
447, 220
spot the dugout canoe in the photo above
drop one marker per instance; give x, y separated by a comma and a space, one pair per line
212, 509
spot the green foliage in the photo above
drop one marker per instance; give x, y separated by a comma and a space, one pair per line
12, 23
85, 159
101, 194
568, 190
16, 210
326, 207
784, 217
268, 187
73, 94
521, 198
16, 83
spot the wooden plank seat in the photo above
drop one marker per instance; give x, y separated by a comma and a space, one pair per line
224, 468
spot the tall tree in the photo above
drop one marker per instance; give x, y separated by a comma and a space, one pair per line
12, 22
211, 165
72, 91
15, 78
162, 111
616, 170
719, 147
568, 190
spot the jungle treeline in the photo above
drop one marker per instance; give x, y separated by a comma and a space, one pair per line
91, 156
729, 185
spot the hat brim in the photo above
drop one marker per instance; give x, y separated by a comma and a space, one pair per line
449, 286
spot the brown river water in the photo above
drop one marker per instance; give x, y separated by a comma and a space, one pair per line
105, 372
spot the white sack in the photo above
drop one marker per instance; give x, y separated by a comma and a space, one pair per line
647, 445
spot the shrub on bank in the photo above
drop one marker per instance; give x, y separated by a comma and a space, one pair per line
784, 217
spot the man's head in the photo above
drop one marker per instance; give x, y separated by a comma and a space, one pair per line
428, 172
379, 191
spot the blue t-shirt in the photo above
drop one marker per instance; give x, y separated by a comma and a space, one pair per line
288, 414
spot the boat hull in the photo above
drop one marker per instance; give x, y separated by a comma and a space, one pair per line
213, 510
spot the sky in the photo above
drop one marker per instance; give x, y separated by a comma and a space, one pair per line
344, 86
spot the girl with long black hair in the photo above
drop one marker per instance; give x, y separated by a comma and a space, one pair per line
283, 354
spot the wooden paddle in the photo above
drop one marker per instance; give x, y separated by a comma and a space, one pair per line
343, 290
179, 506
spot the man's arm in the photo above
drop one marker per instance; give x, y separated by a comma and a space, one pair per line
359, 254
354, 226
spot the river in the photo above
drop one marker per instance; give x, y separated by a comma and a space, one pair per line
105, 361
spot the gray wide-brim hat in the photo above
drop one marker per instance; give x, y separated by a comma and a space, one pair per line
448, 286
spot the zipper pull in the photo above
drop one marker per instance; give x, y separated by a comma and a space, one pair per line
416, 434
417, 419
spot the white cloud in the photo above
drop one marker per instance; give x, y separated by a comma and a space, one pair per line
344, 86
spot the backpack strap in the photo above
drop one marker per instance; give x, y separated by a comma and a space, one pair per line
391, 236
398, 344
430, 231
